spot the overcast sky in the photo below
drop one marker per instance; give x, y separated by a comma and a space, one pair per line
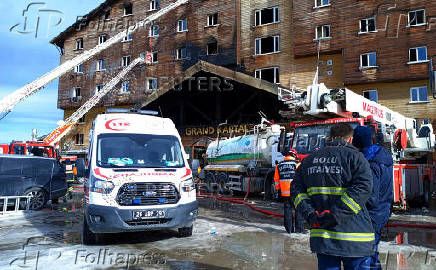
25, 58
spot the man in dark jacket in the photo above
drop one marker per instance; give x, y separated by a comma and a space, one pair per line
380, 202
331, 189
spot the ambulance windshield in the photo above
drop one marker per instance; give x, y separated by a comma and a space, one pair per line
139, 151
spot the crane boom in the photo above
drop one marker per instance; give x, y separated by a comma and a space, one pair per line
9, 102
60, 132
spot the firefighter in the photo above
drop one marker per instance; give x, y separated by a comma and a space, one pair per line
283, 176
68, 165
331, 189
380, 202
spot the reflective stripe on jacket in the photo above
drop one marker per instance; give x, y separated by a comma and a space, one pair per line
337, 178
284, 175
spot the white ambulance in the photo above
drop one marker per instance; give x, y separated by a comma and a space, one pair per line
139, 177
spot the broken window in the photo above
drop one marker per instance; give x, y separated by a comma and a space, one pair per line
368, 60
107, 14
367, 25
79, 44
79, 139
154, 58
266, 16
151, 84
322, 3
182, 25
128, 9
100, 65
268, 74
322, 31
82, 119
181, 53
125, 87
212, 19
417, 17
102, 38
76, 92
154, 31
126, 61
154, 4
418, 54
267, 45
212, 48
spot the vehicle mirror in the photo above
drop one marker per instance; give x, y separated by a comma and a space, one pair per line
281, 147
80, 167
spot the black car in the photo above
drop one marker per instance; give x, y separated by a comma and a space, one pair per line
43, 178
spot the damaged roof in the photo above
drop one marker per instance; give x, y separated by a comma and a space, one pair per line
59, 39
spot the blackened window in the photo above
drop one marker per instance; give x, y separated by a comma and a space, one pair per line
128, 9
79, 139
212, 48
266, 16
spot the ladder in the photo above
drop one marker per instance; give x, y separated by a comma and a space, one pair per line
8, 103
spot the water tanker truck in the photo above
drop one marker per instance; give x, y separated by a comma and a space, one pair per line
244, 163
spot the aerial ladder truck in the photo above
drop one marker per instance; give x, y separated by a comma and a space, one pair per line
8, 103
414, 169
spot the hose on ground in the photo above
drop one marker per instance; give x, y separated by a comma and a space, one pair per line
273, 214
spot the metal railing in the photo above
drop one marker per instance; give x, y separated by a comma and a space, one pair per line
14, 204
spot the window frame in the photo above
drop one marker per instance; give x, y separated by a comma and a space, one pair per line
276, 73
100, 65
258, 14
414, 11
178, 57
322, 32
257, 42
368, 60
322, 5
151, 31
154, 3
128, 38
184, 24
79, 139
153, 60
214, 20
74, 92
154, 81
126, 60
417, 61
79, 41
125, 14
369, 91
367, 30
207, 48
417, 94
100, 37
125, 87
78, 69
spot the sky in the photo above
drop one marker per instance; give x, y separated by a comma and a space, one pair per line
26, 54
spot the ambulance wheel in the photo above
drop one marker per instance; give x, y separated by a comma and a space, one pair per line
185, 232
88, 237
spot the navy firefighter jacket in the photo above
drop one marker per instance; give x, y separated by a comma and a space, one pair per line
337, 178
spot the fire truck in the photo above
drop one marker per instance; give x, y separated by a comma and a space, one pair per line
411, 148
246, 163
30, 148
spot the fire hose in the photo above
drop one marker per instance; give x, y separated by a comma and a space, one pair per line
273, 214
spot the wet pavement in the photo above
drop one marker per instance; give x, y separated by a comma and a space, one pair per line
226, 236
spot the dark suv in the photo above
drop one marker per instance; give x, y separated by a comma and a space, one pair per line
43, 178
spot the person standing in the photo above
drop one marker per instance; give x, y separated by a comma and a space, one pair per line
380, 203
68, 165
331, 189
283, 177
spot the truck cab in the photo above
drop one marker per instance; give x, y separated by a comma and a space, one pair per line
138, 177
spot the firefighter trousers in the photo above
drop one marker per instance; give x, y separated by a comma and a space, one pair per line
293, 221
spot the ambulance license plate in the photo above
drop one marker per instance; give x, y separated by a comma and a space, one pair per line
138, 215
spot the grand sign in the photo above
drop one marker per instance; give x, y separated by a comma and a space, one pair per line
224, 130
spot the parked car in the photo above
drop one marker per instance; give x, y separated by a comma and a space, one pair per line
42, 178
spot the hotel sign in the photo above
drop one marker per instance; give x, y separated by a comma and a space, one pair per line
224, 130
